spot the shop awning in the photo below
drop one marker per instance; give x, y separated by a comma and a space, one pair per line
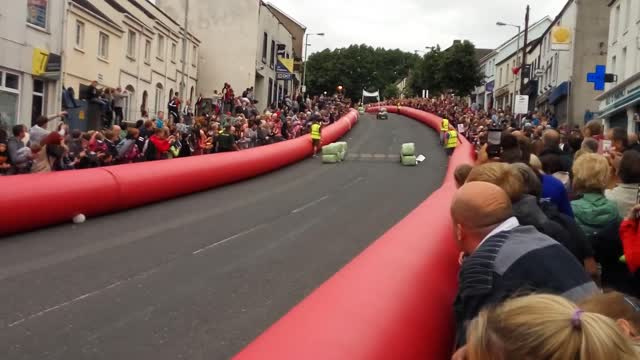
620, 105
559, 92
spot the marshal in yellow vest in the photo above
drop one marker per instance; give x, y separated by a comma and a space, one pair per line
452, 142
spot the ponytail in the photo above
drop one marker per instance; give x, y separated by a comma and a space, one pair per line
545, 327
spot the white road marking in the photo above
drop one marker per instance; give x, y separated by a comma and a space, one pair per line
85, 296
310, 204
246, 232
353, 183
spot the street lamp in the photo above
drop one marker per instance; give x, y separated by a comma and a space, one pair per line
515, 86
306, 53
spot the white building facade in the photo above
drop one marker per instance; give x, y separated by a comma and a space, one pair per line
133, 45
563, 88
507, 84
228, 31
482, 95
620, 103
271, 34
31, 29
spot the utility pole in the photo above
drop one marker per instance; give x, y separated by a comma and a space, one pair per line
524, 49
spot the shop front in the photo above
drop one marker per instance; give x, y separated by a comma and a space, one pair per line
620, 105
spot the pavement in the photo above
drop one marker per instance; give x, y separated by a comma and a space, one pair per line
201, 276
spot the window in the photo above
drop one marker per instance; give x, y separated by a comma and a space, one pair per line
159, 98
147, 51
194, 58
174, 50
270, 93
37, 105
616, 23
131, 44
37, 13
103, 46
500, 76
272, 61
9, 97
160, 47
129, 109
627, 14
79, 35
613, 65
623, 64
265, 40
143, 106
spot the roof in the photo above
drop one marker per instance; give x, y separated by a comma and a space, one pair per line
119, 8
275, 8
161, 11
530, 26
148, 13
481, 53
488, 56
532, 44
91, 8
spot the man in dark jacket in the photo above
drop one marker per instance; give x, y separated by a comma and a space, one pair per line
503, 258
551, 146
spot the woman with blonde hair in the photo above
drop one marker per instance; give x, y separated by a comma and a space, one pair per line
622, 308
599, 218
545, 327
593, 211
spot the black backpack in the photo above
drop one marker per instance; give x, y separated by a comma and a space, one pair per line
150, 152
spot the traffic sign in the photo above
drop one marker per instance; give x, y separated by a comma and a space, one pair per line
522, 104
284, 76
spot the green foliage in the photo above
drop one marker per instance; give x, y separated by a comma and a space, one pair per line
391, 91
453, 70
356, 68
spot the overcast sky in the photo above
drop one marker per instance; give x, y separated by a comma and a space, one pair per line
413, 24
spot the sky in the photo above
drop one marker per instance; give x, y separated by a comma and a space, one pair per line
413, 24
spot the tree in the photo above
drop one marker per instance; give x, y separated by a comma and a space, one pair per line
391, 91
455, 69
460, 69
427, 72
356, 68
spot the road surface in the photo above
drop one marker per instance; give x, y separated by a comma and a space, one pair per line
201, 276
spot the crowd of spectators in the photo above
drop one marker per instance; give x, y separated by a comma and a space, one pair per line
234, 123
547, 222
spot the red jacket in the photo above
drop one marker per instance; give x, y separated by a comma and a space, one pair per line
162, 145
630, 236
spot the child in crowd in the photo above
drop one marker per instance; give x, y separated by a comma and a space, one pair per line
544, 327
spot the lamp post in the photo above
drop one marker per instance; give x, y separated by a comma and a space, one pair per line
515, 86
306, 53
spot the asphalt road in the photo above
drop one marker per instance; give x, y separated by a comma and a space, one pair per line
201, 276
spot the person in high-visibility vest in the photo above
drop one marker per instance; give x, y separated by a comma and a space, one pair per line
316, 135
444, 127
451, 141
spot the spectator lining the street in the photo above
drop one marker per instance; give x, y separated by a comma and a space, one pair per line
545, 327
502, 256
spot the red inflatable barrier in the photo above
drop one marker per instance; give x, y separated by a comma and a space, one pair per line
33, 201
393, 301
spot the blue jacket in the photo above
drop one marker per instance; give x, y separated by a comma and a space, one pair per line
554, 191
